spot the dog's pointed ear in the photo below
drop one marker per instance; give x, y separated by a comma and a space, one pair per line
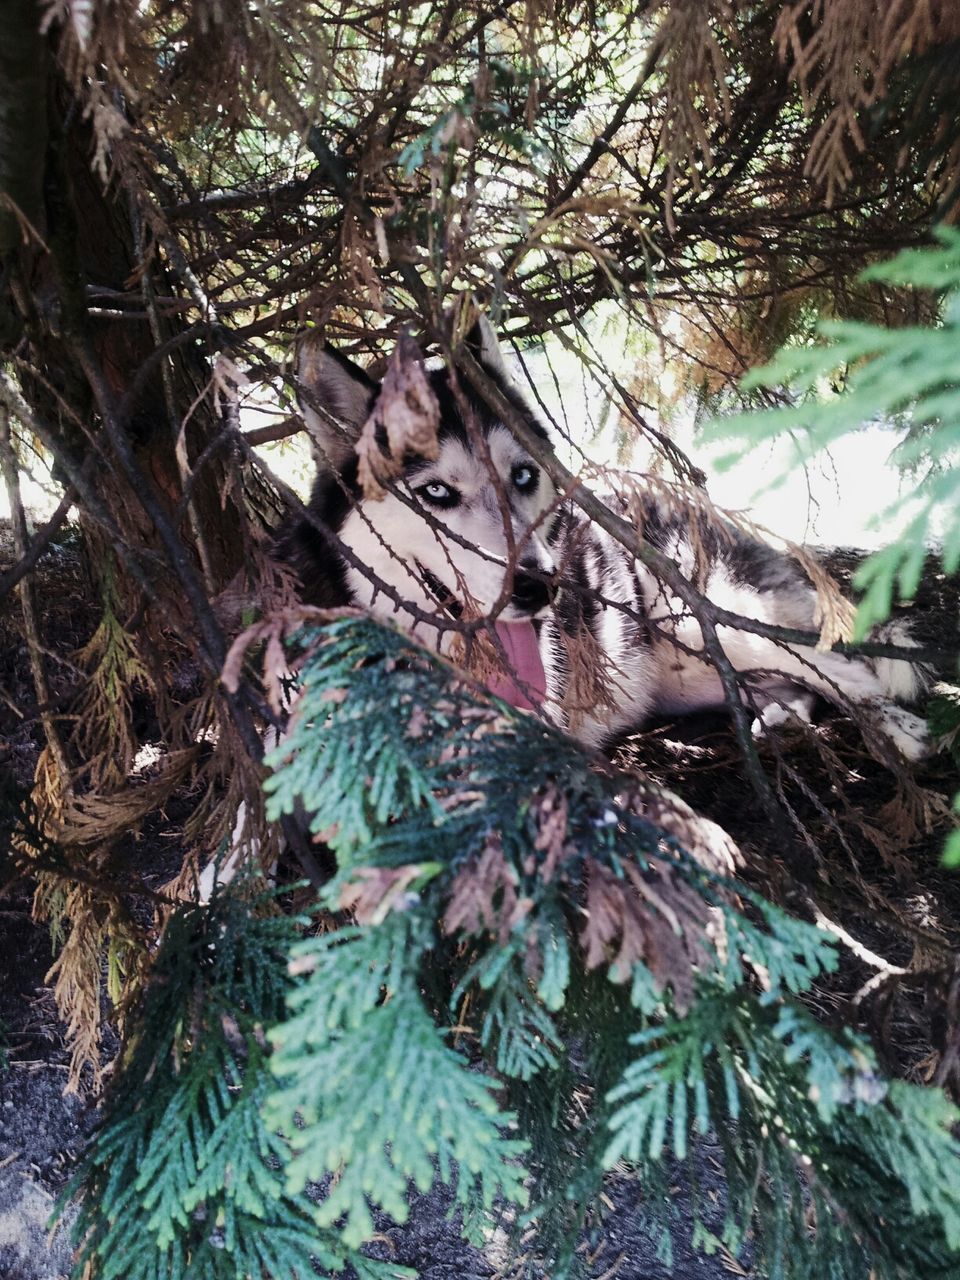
336, 397
482, 343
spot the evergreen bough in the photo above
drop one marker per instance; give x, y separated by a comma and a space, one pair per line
542, 984
183, 1178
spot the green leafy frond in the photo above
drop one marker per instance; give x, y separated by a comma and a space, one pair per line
801, 1113
183, 1178
463, 814
477, 789
909, 376
395, 1105
516, 1029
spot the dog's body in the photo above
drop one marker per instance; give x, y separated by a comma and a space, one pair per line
481, 528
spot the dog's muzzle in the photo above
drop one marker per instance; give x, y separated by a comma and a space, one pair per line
533, 589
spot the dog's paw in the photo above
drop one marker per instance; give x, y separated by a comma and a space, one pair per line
792, 710
909, 733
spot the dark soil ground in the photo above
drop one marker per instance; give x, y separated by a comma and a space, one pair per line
42, 1131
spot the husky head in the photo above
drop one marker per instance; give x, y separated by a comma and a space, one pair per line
468, 529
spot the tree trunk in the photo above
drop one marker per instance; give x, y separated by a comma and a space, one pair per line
48, 297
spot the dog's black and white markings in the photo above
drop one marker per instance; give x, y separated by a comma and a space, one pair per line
482, 523
483, 526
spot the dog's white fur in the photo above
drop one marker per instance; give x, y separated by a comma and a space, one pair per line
393, 537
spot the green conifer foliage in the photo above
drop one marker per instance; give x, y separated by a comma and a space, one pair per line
906, 376
371, 1091
183, 1179
541, 985
455, 819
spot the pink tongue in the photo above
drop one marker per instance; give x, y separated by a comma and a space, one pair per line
525, 685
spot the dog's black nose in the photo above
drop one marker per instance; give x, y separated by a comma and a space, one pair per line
531, 594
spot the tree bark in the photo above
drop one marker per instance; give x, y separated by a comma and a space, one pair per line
90, 240
23, 128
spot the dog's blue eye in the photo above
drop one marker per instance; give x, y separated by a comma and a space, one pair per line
525, 478
439, 494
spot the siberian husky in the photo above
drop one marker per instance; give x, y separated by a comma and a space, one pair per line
479, 530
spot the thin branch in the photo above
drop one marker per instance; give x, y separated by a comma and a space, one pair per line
38, 544
292, 426
31, 629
